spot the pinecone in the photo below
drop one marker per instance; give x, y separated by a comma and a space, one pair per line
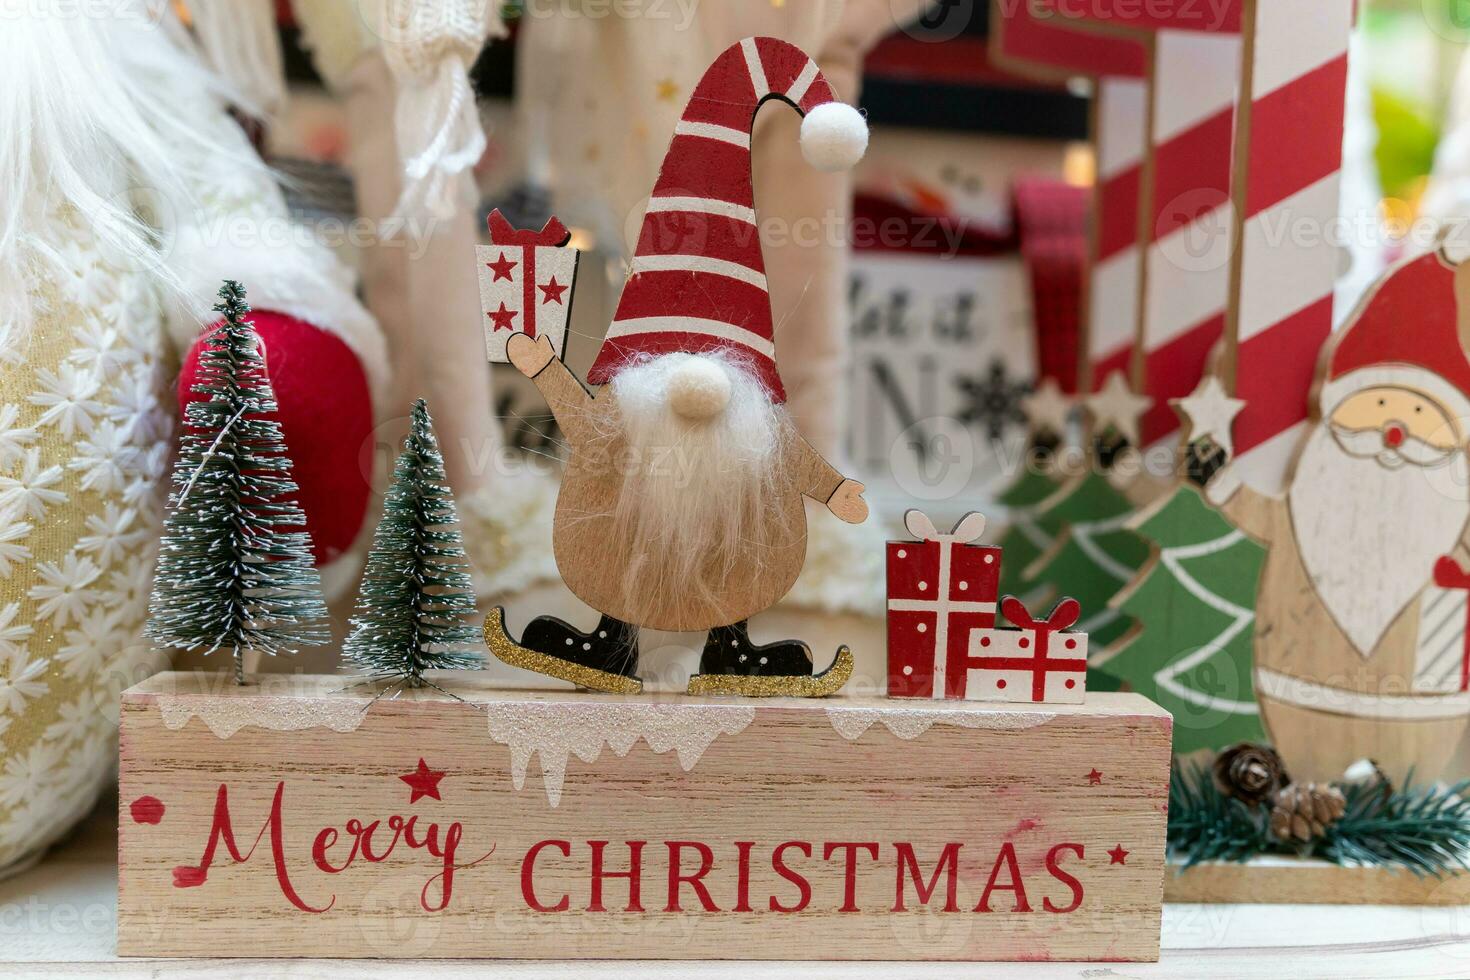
1302, 811
1249, 772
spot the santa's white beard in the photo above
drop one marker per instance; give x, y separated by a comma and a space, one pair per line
697, 498
1369, 533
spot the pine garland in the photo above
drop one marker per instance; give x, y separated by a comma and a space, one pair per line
232, 574
416, 591
1424, 829
1206, 825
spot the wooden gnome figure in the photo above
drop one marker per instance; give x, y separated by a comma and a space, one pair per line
681, 506
1360, 645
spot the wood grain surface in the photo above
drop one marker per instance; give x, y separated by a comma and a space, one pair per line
1051, 818
1281, 880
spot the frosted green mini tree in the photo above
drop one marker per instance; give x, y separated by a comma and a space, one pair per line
235, 569
416, 592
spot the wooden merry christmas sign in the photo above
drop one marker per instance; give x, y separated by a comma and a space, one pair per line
284, 819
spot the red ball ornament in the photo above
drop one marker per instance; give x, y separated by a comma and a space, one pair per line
326, 416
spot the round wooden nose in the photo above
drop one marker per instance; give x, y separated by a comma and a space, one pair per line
1394, 434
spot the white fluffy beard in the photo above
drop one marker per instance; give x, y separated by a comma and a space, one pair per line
700, 498
1370, 530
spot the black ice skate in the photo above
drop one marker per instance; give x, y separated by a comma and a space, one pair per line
604, 660
731, 664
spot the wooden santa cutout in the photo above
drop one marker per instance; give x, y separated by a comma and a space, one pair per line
681, 505
1361, 610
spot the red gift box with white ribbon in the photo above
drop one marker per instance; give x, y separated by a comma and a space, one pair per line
940, 588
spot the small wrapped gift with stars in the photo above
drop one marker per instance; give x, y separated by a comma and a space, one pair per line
940, 588
1038, 662
526, 281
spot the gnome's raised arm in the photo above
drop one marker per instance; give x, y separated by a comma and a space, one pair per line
564, 394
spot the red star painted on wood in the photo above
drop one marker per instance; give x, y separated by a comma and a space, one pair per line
553, 291
1094, 778
504, 318
424, 782
501, 268
1117, 855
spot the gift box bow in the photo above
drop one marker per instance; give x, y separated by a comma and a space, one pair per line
553, 234
1062, 615
966, 529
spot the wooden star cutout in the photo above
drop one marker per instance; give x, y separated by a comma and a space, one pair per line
1209, 411
423, 782
501, 267
667, 89
1116, 405
1047, 408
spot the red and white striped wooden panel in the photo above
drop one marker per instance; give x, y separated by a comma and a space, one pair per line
1187, 262
1026, 35
1112, 333
1282, 311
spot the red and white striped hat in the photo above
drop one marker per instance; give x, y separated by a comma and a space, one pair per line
698, 282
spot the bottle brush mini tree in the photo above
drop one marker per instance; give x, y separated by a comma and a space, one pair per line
416, 591
234, 573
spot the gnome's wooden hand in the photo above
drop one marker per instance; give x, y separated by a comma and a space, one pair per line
847, 502
529, 356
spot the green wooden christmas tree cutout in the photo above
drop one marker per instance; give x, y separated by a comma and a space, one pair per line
416, 592
1194, 600
1093, 555
1023, 539
233, 572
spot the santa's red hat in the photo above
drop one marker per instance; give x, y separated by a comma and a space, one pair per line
1405, 333
698, 282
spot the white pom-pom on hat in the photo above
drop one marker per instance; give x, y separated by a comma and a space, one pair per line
699, 388
834, 136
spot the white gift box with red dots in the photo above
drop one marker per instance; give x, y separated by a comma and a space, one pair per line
1032, 665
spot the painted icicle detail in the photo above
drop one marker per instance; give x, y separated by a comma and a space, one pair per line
558, 730
224, 716
909, 724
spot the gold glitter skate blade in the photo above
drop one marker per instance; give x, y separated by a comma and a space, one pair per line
821, 685
508, 651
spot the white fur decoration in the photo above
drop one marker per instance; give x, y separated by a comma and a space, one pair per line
696, 499
240, 44
834, 136
429, 46
125, 131
85, 120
